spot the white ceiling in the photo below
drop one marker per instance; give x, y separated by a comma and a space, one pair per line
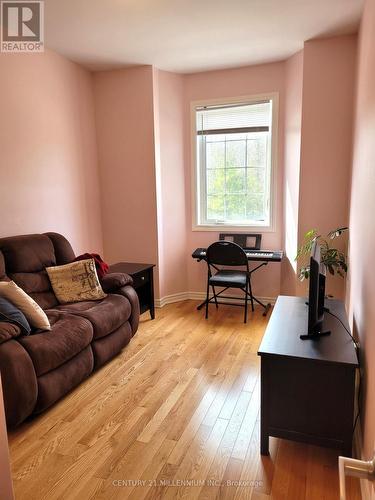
191, 35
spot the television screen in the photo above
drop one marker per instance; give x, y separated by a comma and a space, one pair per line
316, 295
314, 289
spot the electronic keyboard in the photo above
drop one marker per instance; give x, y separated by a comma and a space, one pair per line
256, 255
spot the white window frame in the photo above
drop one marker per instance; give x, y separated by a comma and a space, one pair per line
195, 177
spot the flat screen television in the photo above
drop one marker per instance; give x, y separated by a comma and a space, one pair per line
317, 282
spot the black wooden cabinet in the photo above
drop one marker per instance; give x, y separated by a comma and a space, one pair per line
143, 278
307, 386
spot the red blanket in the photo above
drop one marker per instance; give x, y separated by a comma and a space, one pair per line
101, 266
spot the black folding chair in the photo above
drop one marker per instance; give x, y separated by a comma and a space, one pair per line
227, 253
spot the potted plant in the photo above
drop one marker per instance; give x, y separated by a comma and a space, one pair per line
334, 259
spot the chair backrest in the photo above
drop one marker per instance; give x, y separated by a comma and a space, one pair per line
226, 253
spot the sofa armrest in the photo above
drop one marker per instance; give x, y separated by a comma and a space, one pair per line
113, 281
20, 386
131, 295
8, 331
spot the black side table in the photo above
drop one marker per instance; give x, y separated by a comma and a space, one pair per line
143, 278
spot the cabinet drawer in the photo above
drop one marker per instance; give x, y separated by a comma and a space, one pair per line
141, 279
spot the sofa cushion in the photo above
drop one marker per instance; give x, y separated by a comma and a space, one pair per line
105, 315
70, 334
27, 254
9, 312
33, 312
101, 266
38, 286
26, 258
75, 282
63, 250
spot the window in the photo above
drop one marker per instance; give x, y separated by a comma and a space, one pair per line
234, 144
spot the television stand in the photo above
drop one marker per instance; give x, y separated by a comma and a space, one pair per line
307, 388
314, 336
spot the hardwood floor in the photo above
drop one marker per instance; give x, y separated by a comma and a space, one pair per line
179, 406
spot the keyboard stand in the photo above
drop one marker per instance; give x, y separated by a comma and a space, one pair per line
253, 299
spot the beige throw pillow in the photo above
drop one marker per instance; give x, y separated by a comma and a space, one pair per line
76, 282
34, 313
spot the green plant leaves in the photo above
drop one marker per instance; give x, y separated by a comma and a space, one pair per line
333, 258
306, 247
304, 273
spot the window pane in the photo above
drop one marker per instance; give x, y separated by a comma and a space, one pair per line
215, 138
256, 150
235, 137
236, 153
255, 207
235, 207
215, 155
216, 181
215, 207
256, 180
235, 181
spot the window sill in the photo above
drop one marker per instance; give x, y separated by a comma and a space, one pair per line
221, 228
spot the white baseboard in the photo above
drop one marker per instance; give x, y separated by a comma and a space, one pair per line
179, 297
170, 299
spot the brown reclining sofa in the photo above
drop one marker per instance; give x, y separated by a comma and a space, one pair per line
39, 369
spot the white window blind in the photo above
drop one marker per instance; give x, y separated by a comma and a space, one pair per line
231, 119
234, 164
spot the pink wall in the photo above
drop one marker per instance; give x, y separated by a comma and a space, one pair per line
143, 129
169, 116
361, 287
144, 144
222, 84
292, 165
48, 162
327, 120
126, 149
6, 487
